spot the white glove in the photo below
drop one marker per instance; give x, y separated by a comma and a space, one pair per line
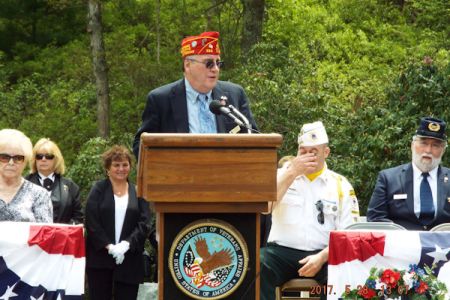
118, 251
109, 247
113, 252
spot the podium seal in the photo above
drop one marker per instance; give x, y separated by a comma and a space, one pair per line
208, 259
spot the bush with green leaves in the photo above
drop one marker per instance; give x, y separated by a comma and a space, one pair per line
375, 138
88, 168
364, 138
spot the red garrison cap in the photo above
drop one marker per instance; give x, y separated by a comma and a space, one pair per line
205, 43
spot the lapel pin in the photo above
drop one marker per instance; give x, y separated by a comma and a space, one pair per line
448, 199
445, 179
224, 100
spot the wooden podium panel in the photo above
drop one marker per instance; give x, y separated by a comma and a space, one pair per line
205, 168
193, 177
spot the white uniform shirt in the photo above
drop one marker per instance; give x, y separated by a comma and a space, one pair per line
295, 219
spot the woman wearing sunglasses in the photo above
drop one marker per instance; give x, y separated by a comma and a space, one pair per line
20, 200
47, 170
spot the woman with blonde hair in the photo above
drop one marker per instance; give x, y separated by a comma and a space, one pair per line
20, 200
47, 170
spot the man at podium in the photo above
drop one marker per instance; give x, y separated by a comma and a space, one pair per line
312, 201
183, 106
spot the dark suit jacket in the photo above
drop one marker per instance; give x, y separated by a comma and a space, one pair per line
65, 199
166, 109
100, 231
399, 180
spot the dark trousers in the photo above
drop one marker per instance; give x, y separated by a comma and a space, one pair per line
280, 264
102, 286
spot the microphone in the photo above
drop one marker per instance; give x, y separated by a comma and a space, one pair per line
234, 110
244, 118
216, 108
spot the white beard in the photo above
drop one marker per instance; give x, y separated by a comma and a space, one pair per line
425, 166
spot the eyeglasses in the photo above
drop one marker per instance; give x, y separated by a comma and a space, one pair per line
6, 158
209, 63
320, 216
434, 144
47, 156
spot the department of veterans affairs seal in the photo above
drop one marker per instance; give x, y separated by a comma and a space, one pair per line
208, 259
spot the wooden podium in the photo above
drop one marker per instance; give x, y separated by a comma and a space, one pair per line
191, 177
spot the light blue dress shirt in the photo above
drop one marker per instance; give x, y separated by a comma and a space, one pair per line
193, 107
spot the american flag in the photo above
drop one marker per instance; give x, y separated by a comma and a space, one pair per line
352, 254
41, 261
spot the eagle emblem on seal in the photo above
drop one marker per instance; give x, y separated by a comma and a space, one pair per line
206, 268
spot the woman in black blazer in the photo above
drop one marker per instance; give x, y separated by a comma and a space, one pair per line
47, 170
117, 224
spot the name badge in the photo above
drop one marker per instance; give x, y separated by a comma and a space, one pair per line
400, 196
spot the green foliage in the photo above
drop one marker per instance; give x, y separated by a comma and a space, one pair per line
29, 25
355, 65
87, 167
422, 88
375, 138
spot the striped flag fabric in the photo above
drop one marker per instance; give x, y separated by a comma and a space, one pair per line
41, 261
352, 255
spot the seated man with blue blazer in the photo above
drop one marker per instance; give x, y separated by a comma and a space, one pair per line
416, 195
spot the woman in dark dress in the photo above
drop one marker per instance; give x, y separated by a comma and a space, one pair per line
117, 224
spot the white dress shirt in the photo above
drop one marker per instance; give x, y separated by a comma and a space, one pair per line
43, 177
121, 204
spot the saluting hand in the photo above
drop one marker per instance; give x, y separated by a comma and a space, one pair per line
304, 164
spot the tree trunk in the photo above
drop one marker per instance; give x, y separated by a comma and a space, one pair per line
253, 23
158, 31
100, 66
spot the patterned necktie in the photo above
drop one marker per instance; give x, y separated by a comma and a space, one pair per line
48, 183
426, 201
206, 118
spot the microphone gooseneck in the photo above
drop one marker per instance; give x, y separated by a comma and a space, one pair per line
241, 115
216, 108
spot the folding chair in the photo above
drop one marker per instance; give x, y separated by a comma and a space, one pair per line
441, 227
375, 226
298, 288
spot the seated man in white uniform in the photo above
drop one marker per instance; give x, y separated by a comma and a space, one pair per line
311, 201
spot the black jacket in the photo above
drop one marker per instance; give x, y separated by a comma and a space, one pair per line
166, 109
399, 181
65, 199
